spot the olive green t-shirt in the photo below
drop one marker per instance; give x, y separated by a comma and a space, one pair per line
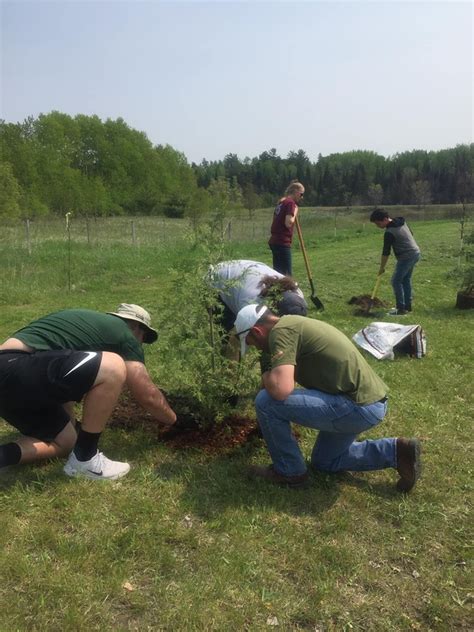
324, 359
82, 330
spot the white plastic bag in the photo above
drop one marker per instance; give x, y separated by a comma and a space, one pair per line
383, 339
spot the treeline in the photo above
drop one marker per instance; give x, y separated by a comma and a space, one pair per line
56, 164
352, 178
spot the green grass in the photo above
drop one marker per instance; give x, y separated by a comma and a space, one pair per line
202, 547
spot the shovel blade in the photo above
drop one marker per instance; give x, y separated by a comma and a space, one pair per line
317, 303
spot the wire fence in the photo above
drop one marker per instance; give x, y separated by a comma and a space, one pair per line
162, 232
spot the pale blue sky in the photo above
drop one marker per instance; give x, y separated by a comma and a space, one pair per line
211, 78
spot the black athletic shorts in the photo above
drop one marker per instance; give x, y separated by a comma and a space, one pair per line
33, 387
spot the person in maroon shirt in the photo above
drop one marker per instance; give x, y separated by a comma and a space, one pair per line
282, 227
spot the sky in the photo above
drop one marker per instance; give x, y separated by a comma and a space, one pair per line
219, 77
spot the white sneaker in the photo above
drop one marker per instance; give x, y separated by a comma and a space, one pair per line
397, 312
99, 467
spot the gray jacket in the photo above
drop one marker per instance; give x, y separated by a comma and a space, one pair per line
399, 237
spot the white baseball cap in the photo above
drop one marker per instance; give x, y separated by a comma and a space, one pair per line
246, 319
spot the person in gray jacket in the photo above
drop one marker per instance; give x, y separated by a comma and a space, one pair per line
399, 238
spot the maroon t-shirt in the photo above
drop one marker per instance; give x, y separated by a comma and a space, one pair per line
281, 234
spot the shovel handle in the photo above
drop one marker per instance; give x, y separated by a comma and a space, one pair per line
376, 286
316, 302
303, 250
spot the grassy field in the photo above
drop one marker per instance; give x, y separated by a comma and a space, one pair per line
185, 541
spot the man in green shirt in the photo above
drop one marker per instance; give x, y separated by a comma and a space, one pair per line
341, 397
64, 357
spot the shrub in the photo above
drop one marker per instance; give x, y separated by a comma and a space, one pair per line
193, 342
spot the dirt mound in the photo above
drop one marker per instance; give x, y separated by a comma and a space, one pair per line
231, 433
218, 438
365, 301
364, 304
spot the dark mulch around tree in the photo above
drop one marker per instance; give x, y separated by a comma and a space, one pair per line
365, 304
223, 437
465, 298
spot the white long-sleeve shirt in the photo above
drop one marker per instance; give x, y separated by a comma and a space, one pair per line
239, 282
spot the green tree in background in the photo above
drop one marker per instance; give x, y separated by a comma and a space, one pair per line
198, 208
225, 196
421, 193
91, 167
250, 200
10, 192
375, 194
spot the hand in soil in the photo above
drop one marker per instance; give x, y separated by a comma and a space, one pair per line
184, 422
218, 438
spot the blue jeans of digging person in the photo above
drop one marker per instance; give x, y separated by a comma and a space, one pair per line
339, 421
401, 281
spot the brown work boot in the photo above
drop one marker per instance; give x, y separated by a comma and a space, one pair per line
269, 474
408, 463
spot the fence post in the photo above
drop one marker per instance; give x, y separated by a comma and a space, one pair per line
134, 238
28, 242
68, 230
88, 231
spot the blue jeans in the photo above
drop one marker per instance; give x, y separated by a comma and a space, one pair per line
401, 281
339, 421
281, 259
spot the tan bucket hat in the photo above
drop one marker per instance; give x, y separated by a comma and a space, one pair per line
128, 311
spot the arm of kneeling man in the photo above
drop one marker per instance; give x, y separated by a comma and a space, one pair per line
147, 394
280, 381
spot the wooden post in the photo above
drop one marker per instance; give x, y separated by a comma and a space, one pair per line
28, 242
68, 230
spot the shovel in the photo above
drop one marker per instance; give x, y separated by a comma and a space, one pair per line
374, 294
316, 302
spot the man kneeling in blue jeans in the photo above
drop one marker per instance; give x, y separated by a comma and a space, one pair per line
341, 397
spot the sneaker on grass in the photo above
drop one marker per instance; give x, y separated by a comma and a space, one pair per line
395, 311
99, 467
